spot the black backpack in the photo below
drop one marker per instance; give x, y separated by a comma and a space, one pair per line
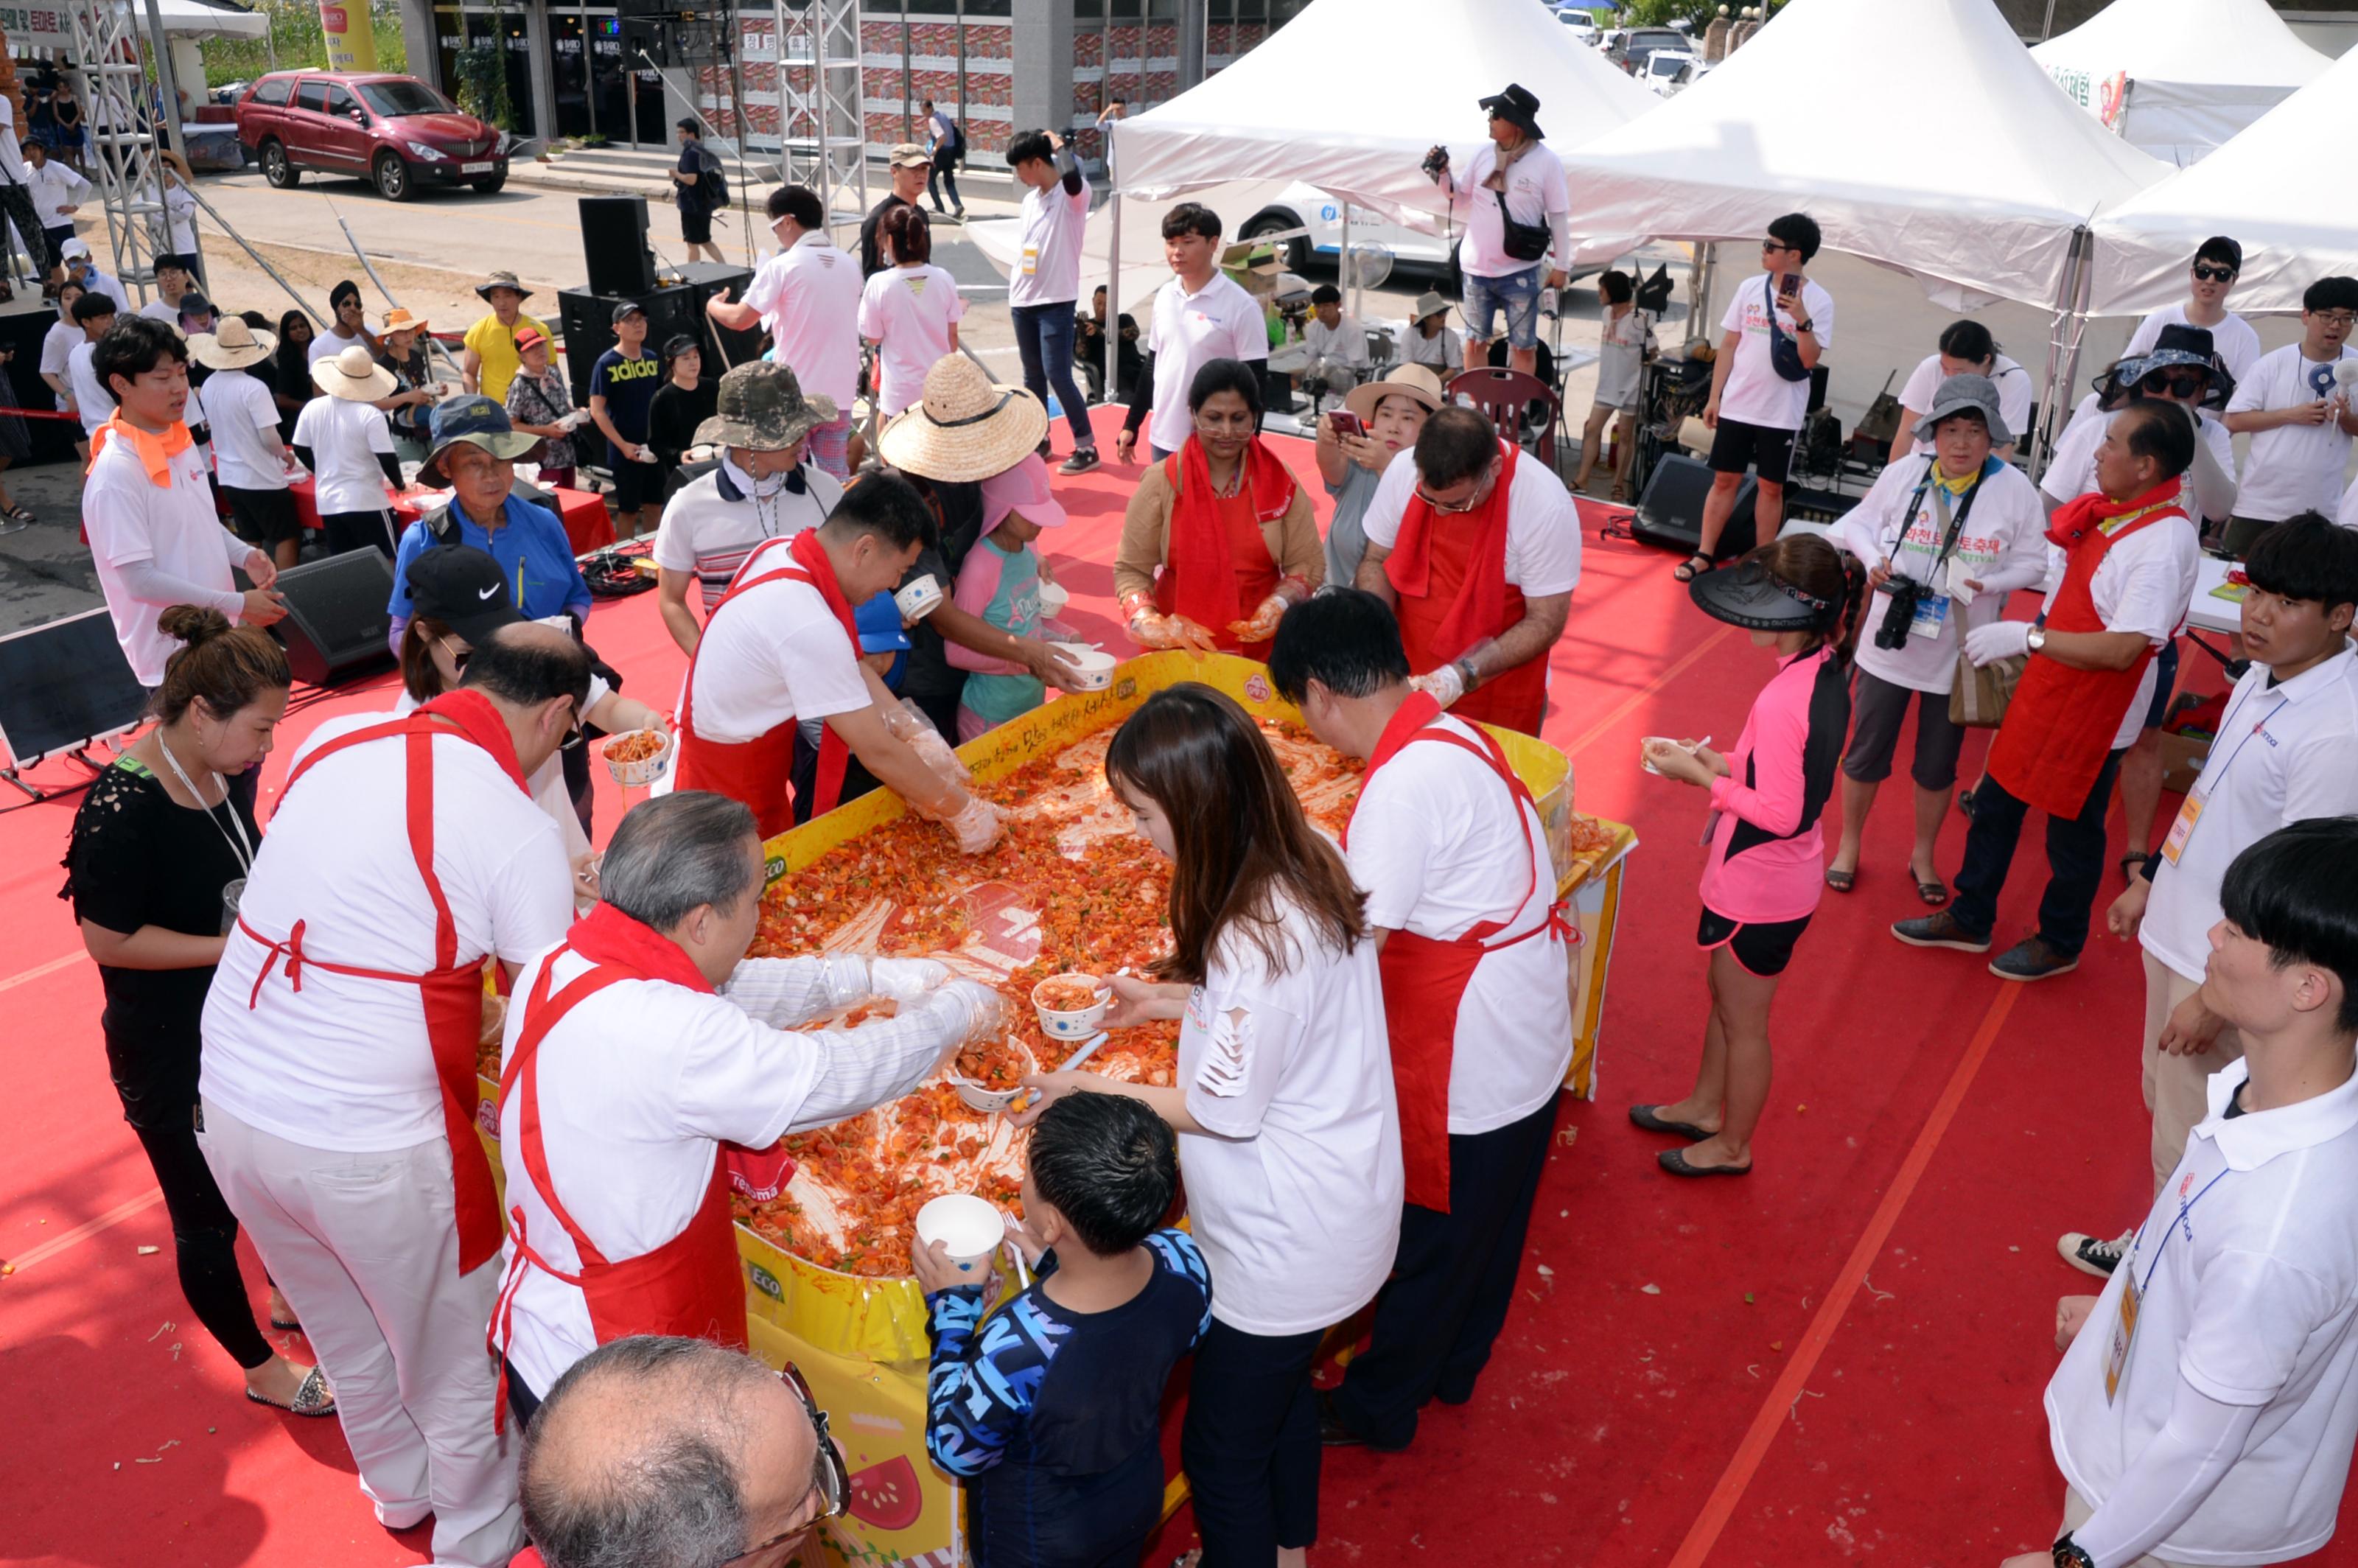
712, 183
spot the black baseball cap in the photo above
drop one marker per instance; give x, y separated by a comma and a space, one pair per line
626, 310
679, 343
464, 588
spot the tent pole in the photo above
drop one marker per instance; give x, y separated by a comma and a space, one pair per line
2081, 286
2058, 369
1345, 271
1113, 294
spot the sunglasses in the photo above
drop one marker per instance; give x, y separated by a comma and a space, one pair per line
831, 1480
1766, 245
2213, 273
2185, 384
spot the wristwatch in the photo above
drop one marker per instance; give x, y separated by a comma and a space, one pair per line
1805, 327
2036, 639
2069, 1555
1466, 673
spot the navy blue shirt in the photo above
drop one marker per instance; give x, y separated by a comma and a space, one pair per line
628, 387
531, 547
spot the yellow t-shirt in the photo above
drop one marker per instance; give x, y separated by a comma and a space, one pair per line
495, 343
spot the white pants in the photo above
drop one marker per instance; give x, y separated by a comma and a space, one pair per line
2177, 1088
2076, 1511
366, 1249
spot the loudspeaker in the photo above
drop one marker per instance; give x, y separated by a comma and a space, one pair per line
63, 686
615, 244
586, 319
336, 620
1669, 513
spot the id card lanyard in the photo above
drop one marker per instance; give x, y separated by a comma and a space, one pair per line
2133, 1290
2182, 828
1933, 609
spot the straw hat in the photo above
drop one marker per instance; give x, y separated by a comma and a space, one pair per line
967, 427
1412, 381
233, 347
352, 375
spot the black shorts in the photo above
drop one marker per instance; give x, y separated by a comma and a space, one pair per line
262, 517
1763, 948
1877, 709
636, 484
696, 225
1761, 447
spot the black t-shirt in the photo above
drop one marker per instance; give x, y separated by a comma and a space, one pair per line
136, 857
674, 415
628, 385
691, 198
872, 260
957, 510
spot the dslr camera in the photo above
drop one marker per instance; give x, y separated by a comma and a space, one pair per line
1906, 593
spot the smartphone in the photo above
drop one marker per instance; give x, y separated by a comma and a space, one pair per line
1788, 286
1346, 423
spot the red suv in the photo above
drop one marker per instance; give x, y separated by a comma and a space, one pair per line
393, 130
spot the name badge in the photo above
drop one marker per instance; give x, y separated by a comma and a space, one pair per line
1030, 261
1932, 614
2183, 828
2116, 1353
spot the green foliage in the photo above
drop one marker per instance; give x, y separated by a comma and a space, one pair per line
483, 82
295, 31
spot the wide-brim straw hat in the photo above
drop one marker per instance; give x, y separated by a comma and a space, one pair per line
761, 407
967, 427
1412, 381
352, 375
233, 347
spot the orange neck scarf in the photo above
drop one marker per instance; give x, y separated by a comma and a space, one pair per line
156, 452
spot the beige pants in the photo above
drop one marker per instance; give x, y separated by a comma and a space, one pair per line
365, 1248
2177, 1088
2076, 1514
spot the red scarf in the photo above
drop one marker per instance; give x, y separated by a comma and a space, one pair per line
1481, 601
1204, 587
607, 936
2074, 521
480, 722
809, 555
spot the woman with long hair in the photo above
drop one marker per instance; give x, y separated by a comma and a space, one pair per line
290, 370
1766, 868
1288, 1138
160, 849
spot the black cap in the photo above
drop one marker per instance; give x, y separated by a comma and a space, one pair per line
626, 310
1748, 595
462, 587
679, 343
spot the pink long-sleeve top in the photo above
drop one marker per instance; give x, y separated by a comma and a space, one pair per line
1768, 856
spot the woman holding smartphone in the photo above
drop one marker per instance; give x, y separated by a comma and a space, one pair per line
1288, 1138
1379, 420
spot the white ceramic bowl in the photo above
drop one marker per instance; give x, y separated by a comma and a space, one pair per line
645, 772
970, 1229
1074, 1025
918, 598
1096, 666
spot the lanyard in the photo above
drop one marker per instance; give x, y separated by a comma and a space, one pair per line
239, 846
1951, 529
2258, 728
2183, 1209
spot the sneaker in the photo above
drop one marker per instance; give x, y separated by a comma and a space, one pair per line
2093, 1254
1940, 930
1083, 460
1043, 448
1332, 1433
2032, 958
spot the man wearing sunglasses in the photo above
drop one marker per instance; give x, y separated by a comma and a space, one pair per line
2212, 273
2298, 412
662, 1449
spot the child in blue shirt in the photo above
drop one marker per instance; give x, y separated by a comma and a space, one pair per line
1000, 583
1048, 1411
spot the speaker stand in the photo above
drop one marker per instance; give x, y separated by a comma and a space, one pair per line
35, 794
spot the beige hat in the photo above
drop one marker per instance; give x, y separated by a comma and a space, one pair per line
909, 154
1412, 381
967, 427
352, 375
1429, 303
234, 346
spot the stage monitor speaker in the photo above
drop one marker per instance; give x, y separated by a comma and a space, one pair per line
63, 686
337, 621
615, 244
1669, 513
585, 319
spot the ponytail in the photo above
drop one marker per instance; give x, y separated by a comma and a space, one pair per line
229, 666
1832, 577
1853, 608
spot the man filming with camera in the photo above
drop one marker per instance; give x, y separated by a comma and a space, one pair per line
1518, 215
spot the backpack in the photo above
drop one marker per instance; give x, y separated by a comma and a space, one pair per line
712, 183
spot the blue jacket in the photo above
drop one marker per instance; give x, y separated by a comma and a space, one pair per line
531, 547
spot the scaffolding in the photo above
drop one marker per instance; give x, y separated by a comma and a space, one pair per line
822, 119
125, 165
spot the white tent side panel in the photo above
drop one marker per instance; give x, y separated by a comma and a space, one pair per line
2181, 78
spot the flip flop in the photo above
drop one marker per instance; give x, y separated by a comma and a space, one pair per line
1674, 1160
1645, 1117
1688, 570
1934, 893
1842, 882
312, 1398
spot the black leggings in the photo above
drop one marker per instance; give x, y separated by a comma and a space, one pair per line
204, 1239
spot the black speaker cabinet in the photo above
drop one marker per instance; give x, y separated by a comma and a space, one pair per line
1669, 513
586, 320
615, 244
337, 618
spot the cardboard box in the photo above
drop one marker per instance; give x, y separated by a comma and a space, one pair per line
2183, 757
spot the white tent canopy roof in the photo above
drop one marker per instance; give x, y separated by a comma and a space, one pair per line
2197, 72
1349, 94
2263, 189
195, 19
1919, 135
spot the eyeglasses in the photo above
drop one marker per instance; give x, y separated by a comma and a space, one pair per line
831, 1479
1766, 245
2335, 318
1481, 492
2189, 384
2203, 274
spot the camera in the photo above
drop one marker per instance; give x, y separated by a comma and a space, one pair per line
1434, 162
1891, 633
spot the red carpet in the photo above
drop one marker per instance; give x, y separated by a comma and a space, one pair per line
1837, 1359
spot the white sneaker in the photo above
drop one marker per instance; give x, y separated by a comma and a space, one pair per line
2093, 1255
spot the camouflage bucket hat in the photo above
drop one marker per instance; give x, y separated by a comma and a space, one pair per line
762, 407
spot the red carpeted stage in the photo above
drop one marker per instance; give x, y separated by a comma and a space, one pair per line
1840, 1358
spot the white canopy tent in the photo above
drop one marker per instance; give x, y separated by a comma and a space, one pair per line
195, 20
2179, 77
1143, 270
2262, 187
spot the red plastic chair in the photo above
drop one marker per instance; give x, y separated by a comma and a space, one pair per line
1506, 396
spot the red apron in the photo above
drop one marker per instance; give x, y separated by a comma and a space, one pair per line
1218, 568
758, 771
2059, 726
452, 990
1451, 587
1425, 979
692, 1285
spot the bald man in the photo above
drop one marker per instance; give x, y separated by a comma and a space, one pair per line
656, 1449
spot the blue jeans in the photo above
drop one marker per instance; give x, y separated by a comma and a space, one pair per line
1044, 335
1517, 294
2075, 862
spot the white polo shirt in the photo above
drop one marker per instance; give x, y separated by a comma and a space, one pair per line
238, 410
1188, 331
1755, 393
131, 520
1542, 526
780, 657
2233, 340
1048, 246
2145, 584
346, 438
716, 521
2293, 468
2283, 754
1435, 847
808, 295
344, 1063
2251, 1301
2014, 390
907, 311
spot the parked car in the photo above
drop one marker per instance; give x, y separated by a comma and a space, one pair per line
391, 130
1581, 23
1301, 206
1630, 53
1667, 71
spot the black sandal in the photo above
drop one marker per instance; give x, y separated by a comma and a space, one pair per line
1842, 882
1693, 567
1934, 893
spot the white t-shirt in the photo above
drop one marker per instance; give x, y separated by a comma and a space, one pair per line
326, 344
1294, 1184
1188, 331
1048, 246
344, 1063
238, 408
2283, 754
54, 185
1346, 342
716, 521
1536, 191
93, 402
345, 438
2005, 531
2251, 1301
130, 519
546, 782
106, 283
808, 296
2014, 390
908, 312
1542, 525
1621, 356
1755, 394
56, 349
780, 657
11, 158
2233, 340
2145, 584
2293, 468
637, 1088
162, 309
1435, 847
2071, 472
1443, 350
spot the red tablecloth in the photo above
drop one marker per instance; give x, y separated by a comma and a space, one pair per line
307, 505
588, 525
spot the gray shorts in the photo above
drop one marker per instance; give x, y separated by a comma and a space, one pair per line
1877, 708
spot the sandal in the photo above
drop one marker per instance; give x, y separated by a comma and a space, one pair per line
1618, 494
1842, 882
1693, 567
1934, 893
20, 512
285, 1324
311, 1400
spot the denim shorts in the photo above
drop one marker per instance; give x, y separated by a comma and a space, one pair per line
1517, 294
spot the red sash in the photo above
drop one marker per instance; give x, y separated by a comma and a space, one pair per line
757, 770
1425, 978
1452, 590
1219, 569
2059, 726
453, 989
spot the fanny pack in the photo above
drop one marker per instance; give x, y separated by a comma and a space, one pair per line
1784, 353
1522, 242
